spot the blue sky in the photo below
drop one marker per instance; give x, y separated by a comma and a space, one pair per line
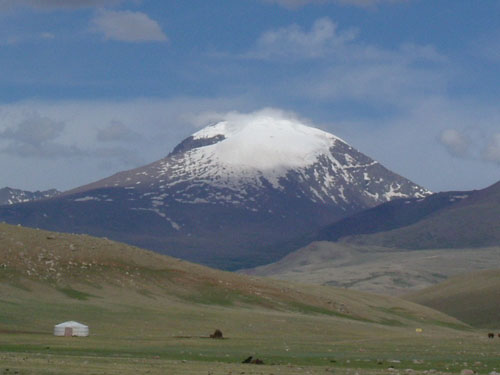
92, 87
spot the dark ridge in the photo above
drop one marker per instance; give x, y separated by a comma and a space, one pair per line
190, 143
387, 216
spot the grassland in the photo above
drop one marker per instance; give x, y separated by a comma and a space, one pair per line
150, 314
132, 333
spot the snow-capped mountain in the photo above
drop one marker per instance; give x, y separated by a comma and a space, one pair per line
13, 196
234, 162
230, 192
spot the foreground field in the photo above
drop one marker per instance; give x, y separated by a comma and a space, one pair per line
120, 364
390, 353
150, 314
131, 332
135, 333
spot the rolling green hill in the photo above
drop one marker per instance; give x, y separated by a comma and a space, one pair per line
148, 313
83, 269
472, 298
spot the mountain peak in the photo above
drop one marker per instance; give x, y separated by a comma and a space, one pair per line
240, 157
264, 141
248, 182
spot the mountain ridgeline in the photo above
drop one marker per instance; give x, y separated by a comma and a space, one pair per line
444, 220
230, 196
12, 196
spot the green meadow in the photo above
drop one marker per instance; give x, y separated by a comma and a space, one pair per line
150, 314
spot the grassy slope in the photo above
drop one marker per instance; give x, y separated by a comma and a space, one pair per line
147, 312
472, 297
90, 270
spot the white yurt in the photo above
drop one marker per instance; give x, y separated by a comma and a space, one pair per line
71, 329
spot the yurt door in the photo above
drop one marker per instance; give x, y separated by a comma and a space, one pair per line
68, 331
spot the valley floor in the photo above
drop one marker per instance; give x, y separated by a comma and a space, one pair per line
376, 269
445, 351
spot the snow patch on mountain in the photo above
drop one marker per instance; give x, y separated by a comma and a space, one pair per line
246, 149
264, 142
87, 198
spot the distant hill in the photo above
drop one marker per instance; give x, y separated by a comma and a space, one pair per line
444, 220
12, 196
472, 298
376, 269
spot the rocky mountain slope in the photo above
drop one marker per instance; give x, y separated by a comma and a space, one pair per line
12, 196
389, 216
231, 195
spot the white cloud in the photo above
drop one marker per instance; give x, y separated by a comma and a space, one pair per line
408, 141
205, 118
293, 4
36, 136
325, 42
34, 130
294, 42
127, 26
477, 142
455, 142
342, 67
47, 150
26, 38
492, 150
116, 131
44, 158
388, 83
47, 35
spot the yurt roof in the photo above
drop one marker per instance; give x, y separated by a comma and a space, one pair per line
71, 324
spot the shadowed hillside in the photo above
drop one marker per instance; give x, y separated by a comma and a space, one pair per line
444, 220
472, 298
